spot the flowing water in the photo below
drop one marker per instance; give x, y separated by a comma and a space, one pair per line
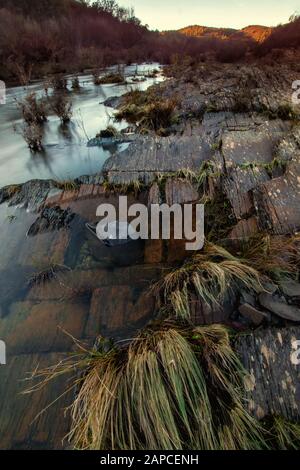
66, 154
92, 292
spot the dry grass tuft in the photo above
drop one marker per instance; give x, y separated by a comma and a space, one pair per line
110, 78
276, 256
66, 185
134, 187
148, 110
210, 274
173, 387
286, 435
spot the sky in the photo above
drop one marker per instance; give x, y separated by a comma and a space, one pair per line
174, 14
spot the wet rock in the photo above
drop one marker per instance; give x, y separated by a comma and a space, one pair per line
280, 307
254, 316
116, 309
288, 148
147, 156
255, 145
97, 179
85, 191
53, 197
176, 250
178, 191
32, 194
113, 102
19, 427
247, 298
33, 327
277, 202
274, 377
50, 219
194, 105
69, 195
238, 185
129, 130
244, 229
107, 141
13, 288
154, 195
269, 287
154, 251
290, 288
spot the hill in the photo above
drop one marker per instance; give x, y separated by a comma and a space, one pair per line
256, 32
207, 31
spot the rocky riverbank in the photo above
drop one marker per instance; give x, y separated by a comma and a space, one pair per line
232, 141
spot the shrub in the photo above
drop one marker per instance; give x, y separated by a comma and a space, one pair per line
111, 78
33, 110
274, 256
33, 136
59, 83
62, 107
109, 132
75, 83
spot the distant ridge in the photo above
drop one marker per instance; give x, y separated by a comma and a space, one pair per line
256, 32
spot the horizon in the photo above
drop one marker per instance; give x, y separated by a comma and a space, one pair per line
220, 14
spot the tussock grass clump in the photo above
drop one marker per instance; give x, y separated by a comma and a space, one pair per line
284, 434
173, 387
204, 178
134, 187
148, 110
275, 256
66, 185
209, 274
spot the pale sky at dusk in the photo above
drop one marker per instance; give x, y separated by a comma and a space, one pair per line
174, 14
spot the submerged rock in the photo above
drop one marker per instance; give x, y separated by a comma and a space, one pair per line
31, 194
113, 102
51, 218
